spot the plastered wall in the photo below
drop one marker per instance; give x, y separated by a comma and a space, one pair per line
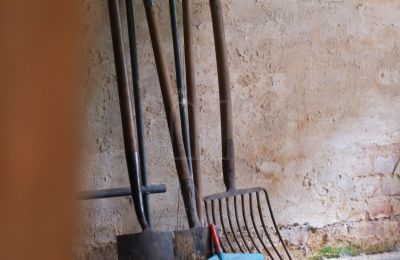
316, 97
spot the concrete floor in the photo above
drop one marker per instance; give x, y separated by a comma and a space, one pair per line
384, 256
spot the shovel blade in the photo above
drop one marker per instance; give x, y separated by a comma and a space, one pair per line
146, 245
194, 243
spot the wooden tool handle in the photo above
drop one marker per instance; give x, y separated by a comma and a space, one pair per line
185, 180
128, 128
228, 151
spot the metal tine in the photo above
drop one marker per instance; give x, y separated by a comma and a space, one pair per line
223, 225
256, 229
265, 226
246, 225
275, 226
215, 221
230, 224
207, 213
238, 224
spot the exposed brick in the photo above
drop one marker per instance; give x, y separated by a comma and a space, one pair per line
396, 206
351, 210
379, 207
365, 230
390, 186
367, 234
384, 164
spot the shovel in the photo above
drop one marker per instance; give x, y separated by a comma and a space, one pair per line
182, 168
149, 244
145, 241
193, 242
242, 234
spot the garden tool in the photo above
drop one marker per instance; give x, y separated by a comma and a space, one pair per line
192, 104
218, 207
145, 241
182, 168
187, 102
180, 84
138, 104
192, 242
146, 189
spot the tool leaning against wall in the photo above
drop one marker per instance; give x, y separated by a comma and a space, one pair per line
147, 240
172, 245
193, 241
236, 239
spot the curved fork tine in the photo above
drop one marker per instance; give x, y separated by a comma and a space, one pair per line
238, 224
265, 226
223, 226
255, 227
246, 225
230, 224
275, 226
215, 222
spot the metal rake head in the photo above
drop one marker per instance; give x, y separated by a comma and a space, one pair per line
244, 227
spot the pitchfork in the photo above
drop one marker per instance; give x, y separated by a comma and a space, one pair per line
238, 235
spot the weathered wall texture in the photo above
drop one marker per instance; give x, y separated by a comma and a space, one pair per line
316, 102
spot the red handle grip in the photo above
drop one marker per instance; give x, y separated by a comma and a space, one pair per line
217, 245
